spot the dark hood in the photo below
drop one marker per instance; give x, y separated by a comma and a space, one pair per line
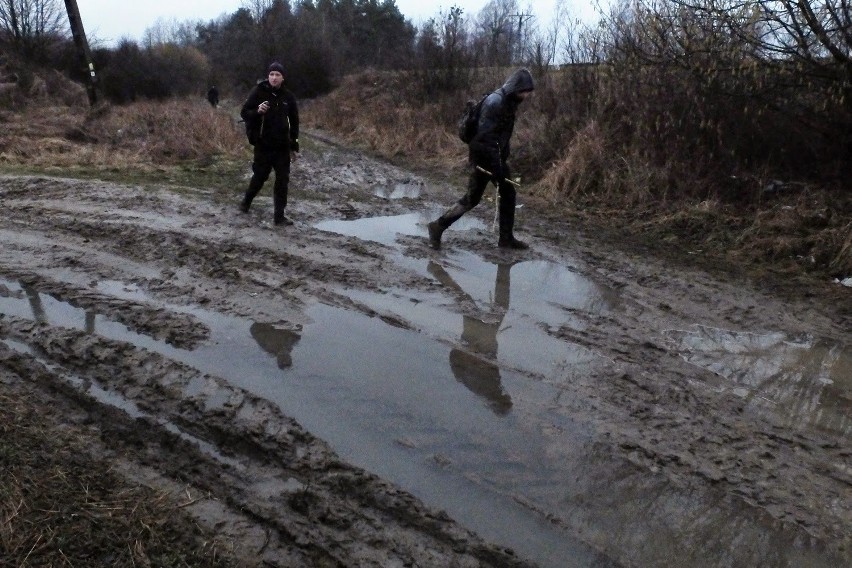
519, 81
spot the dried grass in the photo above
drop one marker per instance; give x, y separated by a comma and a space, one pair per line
604, 141
640, 148
385, 120
581, 169
59, 506
139, 135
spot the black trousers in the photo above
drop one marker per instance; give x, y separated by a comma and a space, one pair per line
265, 161
476, 184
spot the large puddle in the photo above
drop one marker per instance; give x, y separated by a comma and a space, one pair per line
805, 380
386, 228
465, 410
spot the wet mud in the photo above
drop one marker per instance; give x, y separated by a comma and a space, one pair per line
336, 393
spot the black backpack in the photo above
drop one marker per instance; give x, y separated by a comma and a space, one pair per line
252, 131
469, 121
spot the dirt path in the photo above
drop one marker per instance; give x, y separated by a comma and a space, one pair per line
336, 393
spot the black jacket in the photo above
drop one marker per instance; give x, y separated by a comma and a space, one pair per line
491, 145
278, 128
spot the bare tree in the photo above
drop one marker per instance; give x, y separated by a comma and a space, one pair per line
816, 36
443, 54
496, 23
163, 31
29, 26
259, 8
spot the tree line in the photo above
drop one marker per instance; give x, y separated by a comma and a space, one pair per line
318, 40
677, 89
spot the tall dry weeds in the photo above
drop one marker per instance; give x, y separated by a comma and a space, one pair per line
140, 135
659, 147
171, 131
59, 506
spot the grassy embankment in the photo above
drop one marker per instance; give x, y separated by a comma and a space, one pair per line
62, 506
645, 177
582, 163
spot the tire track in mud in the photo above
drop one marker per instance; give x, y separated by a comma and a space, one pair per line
652, 409
332, 513
181, 330
647, 391
236, 260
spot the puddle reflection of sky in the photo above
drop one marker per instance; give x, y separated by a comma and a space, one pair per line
472, 395
363, 385
385, 229
806, 380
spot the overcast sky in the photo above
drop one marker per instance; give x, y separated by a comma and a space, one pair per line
107, 21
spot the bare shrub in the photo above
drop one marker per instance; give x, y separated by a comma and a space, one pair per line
170, 131
65, 90
381, 117
141, 136
580, 170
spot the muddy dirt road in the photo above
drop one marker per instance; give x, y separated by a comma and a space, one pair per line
338, 394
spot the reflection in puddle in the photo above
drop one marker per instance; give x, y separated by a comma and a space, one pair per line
275, 341
385, 229
476, 370
398, 191
807, 380
504, 467
496, 309
46, 309
361, 385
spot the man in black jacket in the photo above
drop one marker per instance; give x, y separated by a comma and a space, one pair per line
488, 152
272, 121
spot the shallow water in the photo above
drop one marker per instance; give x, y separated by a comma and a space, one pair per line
385, 229
807, 380
466, 409
398, 191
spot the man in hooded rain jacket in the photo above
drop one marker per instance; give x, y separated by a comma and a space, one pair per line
488, 152
272, 123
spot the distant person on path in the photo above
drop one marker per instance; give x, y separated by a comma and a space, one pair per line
488, 152
213, 96
272, 122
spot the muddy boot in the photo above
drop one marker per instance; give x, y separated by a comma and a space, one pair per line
435, 232
442, 223
244, 206
510, 242
507, 220
282, 220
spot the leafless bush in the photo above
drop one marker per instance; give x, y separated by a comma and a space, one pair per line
697, 94
171, 131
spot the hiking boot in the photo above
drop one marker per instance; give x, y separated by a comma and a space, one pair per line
283, 221
244, 207
512, 243
435, 232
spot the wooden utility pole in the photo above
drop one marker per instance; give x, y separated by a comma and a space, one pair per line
83, 52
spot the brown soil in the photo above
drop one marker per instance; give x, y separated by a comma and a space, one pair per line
263, 491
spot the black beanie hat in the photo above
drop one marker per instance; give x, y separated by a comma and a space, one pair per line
275, 66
